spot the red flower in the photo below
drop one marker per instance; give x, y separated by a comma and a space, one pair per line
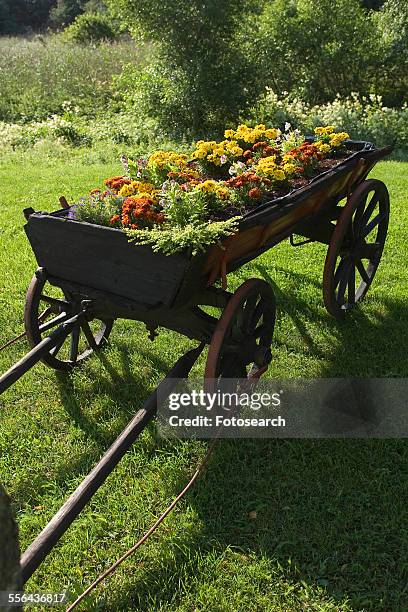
255, 193
116, 182
114, 219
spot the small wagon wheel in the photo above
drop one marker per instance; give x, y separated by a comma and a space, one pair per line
356, 247
240, 345
47, 307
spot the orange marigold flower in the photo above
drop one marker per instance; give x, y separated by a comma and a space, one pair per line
255, 193
114, 219
116, 182
259, 145
95, 191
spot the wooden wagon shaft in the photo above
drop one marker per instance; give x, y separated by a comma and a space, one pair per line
50, 535
35, 355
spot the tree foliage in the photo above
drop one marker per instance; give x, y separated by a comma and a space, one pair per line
317, 49
392, 23
200, 77
90, 28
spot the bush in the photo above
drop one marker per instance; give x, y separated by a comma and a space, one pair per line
392, 78
91, 28
364, 118
198, 77
316, 49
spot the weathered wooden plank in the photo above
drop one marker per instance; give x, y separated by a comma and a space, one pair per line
102, 258
50, 535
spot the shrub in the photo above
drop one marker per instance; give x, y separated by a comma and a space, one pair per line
364, 118
91, 28
198, 77
316, 49
392, 79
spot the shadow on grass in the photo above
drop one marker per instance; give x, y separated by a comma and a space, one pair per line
365, 346
329, 513
124, 389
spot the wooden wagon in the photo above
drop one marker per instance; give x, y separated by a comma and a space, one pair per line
96, 267
89, 275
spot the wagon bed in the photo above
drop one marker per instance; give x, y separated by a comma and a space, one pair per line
101, 258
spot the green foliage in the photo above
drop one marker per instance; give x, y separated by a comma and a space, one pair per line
198, 77
97, 211
197, 236
316, 49
39, 76
90, 28
364, 118
392, 22
184, 207
18, 16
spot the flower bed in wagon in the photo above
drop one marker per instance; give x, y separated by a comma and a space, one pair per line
175, 201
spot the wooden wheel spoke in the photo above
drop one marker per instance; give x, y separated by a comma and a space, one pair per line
357, 221
351, 285
369, 228
54, 352
343, 283
73, 351
57, 321
45, 314
340, 271
249, 310
370, 209
63, 305
262, 332
89, 335
362, 271
258, 313
370, 250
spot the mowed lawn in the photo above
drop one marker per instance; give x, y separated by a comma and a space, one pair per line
331, 526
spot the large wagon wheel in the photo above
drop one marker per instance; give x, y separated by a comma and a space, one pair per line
47, 307
240, 345
356, 247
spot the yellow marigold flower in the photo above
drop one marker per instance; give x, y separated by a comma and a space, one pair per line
229, 134
127, 190
323, 147
208, 186
289, 169
324, 131
199, 154
337, 139
167, 158
223, 193
271, 133
267, 166
279, 175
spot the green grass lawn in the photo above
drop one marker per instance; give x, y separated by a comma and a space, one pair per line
331, 531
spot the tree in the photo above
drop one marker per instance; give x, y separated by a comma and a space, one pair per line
317, 48
200, 76
392, 22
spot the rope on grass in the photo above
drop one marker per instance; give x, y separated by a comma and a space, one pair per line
153, 528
